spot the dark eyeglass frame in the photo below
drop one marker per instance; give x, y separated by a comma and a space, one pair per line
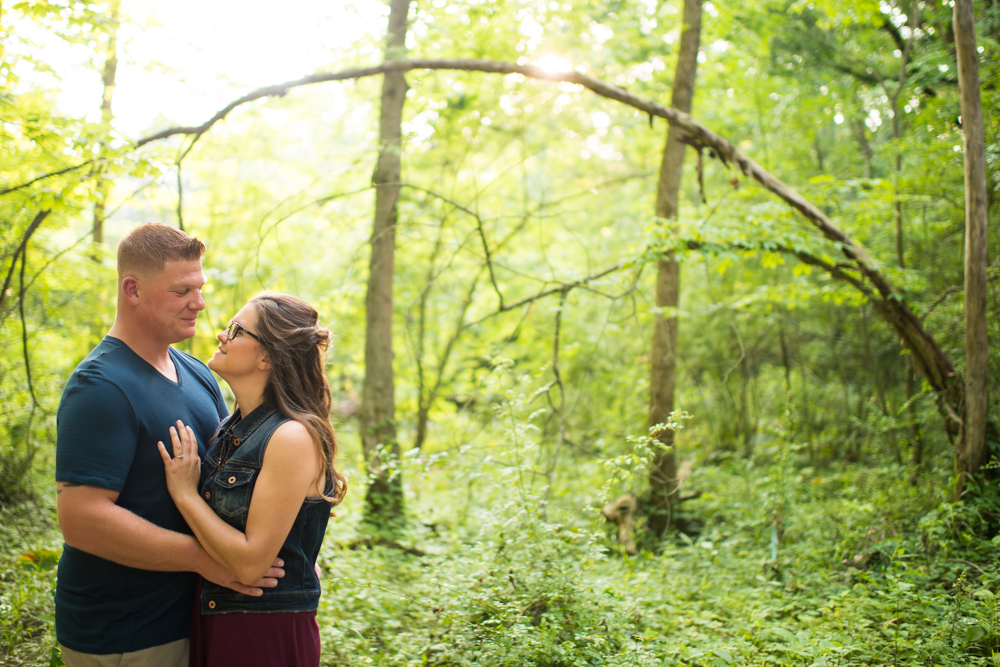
235, 328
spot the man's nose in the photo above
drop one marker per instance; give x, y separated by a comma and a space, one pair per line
199, 301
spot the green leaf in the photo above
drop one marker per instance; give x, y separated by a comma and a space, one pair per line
724, 655
783, 633
975, 633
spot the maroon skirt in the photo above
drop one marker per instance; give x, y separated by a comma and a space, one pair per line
254, 640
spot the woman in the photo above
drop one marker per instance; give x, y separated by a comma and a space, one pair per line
266, 487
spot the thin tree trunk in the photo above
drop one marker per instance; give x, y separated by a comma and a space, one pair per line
879, 391
915, 442
858, 127
423, 400
423, 412
916, 439
913, 20
384, 499
972, 444
103, 188
785, 359
663, 359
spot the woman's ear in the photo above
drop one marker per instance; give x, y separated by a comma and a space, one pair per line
264, 364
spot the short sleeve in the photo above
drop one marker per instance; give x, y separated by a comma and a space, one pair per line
97, 434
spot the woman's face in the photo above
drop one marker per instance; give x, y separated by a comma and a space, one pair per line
239, 356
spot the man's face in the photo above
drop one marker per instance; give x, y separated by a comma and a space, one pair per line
169, 301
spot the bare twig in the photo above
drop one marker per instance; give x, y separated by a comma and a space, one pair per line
489, 260
29, 445
20, 250
24, 338
180, 198
479, 228
55, 258
944, 295
962, 560
562, 395
422, 399
743, 352
372, 542
991, 275
44, 176
547, 292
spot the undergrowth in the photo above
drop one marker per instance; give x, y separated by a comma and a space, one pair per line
793, 565
858, 580
28, 557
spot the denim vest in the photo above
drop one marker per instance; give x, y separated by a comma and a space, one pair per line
229, 473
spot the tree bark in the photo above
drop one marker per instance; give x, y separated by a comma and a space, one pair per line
384, 498
103, 188
972, 452
663, 357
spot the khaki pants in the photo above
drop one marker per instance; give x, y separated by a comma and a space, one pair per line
174, 654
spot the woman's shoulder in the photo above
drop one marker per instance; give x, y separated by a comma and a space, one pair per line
292, 454
291, 437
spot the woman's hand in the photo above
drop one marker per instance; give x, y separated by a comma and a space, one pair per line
184, 469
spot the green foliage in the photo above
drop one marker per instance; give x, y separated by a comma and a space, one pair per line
26, 610
869, 569
822, 541
27, 585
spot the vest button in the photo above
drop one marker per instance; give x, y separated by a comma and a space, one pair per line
232, 479
211, 604
208, 495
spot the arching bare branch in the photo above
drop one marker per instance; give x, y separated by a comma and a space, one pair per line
929, 359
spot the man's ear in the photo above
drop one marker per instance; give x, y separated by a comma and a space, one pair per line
130, 288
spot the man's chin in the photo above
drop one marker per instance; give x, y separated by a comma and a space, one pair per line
184, 333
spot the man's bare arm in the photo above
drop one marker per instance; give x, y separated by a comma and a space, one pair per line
91, 521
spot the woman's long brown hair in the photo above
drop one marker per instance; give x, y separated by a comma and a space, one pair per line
296, 346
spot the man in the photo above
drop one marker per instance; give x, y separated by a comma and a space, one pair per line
125, 585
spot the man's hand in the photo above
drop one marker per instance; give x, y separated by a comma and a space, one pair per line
218, 574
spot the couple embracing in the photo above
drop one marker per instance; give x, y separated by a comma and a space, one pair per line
192, 534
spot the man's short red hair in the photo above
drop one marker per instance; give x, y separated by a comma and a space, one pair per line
147, 248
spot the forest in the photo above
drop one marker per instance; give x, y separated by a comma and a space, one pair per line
665, 331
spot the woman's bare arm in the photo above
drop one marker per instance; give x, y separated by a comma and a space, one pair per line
288, 474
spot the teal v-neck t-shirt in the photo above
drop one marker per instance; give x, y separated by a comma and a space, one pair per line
114, 410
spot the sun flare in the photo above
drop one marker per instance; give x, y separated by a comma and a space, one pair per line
554, 63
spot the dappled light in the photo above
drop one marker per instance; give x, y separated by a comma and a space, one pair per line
655, 332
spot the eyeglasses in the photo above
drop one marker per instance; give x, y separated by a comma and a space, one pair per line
235, 328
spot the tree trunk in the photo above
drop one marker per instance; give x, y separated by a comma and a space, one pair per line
384, 499
103, 188
663, 359
916, 444
972, 452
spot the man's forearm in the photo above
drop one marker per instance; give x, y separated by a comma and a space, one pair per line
118, 535
91, 521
